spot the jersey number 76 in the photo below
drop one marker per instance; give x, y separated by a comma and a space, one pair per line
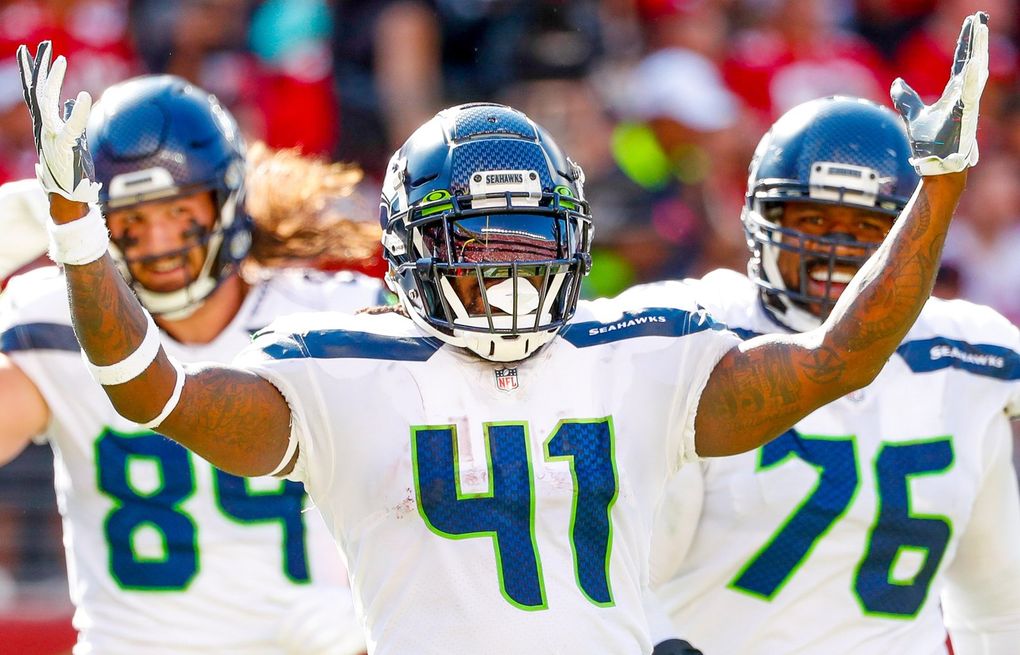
897, 529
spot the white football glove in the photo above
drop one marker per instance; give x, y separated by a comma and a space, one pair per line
943, 135
65, 165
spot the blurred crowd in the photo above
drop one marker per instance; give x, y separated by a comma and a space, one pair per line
661, 101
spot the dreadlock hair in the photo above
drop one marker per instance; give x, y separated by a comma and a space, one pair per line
306, 210
375, 310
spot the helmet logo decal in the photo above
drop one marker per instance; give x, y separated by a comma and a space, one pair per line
506, 379
497, 183
858, 185
433, 202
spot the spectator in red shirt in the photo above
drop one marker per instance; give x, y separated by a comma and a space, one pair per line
922, 58
797, 54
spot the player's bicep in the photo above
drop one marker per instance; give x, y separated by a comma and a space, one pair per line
23, 410
235, 419
761, 388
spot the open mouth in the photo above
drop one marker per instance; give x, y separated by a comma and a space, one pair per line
163, 273
825, 284
166, 265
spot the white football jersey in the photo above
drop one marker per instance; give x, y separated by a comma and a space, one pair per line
165, 553
490, 508
840, 535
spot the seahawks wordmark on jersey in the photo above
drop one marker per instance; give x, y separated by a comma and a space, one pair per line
165, 553
481, 515
840, 535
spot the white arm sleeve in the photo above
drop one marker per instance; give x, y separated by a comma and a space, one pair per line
981, 602
24, 213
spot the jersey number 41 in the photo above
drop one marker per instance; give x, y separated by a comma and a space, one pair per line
506, 511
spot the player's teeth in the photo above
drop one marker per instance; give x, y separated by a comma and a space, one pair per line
838, 277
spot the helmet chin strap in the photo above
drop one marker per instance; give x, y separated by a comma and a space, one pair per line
181, 303
176, 305
493, 347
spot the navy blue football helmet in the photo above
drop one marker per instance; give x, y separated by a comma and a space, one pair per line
158, 137
836, 150
486, 231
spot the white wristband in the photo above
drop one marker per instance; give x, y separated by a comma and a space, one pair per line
81, 241
131, 366
171, 403
291, 447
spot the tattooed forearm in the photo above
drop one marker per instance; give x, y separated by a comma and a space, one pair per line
228, 407
108, 323
762, 388
758, 389
886, 296
236, 420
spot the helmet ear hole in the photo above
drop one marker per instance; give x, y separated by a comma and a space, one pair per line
774, 211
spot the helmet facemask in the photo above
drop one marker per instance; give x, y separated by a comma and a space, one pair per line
839, 151
224, 245
498, 274
825, 257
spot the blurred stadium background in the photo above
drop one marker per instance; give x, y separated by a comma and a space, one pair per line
661, 101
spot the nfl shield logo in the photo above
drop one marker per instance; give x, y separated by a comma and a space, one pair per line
506, 379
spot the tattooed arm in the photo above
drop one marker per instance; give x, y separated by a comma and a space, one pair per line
761, 388
765, 385
234, 419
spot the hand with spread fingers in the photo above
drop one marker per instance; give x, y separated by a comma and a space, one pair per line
943, 135
65, 165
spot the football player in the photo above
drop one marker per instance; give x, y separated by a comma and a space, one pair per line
841, 535
165, 553
489, 459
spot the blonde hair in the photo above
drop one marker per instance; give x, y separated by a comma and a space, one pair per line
307, 211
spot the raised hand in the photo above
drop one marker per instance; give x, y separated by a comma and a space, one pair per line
943, 135
65, 165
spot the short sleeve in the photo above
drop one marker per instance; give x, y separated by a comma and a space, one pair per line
697, 364
694, 342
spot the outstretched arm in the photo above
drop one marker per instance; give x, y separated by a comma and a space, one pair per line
764, 386
235, 419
